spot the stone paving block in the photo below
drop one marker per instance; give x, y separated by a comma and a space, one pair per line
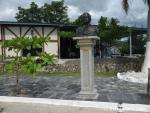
110, 89
45, 94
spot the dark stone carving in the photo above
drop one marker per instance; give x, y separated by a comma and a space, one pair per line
86, 29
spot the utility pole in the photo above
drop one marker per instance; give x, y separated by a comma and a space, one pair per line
130, 37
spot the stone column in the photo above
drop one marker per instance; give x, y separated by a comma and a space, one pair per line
146, 63
86, 45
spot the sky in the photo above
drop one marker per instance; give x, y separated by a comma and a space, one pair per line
137, 15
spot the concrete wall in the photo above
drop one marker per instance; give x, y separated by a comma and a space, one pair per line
38, 105
101, 65
0, 49
0, 41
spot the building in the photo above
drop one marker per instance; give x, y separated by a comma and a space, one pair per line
57, 46
63, 48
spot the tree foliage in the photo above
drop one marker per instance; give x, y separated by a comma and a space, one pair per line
126, 5
110, 30
66, 34
32, 14
77, 22
56, 12
26, 64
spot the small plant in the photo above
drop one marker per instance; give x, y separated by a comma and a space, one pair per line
27, 64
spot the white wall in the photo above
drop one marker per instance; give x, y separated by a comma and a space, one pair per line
8, 36
0, 42
53, 35
52, 47
24, 29
39, 29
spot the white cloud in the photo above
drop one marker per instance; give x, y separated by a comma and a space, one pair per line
97, 8
87, 5
73, 12
7, 14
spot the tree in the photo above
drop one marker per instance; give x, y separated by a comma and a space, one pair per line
56, 12
33, 14
138, 48
77, 22
26, 64
146, 64
110, 30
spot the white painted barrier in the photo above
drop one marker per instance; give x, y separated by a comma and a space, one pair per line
40, 105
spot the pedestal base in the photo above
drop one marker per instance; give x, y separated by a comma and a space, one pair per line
88, 95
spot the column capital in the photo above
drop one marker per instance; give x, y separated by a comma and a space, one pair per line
86, 40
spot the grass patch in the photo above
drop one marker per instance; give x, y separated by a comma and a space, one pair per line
62, 74
105, 74
57, 74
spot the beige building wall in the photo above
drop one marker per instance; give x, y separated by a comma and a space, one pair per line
54, 35
39, 29
24, 29
51, 47
0, 42
8, 36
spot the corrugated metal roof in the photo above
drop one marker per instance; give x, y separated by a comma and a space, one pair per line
34, 24
52, 25
138, 28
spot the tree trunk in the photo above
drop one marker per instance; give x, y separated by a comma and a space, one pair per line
146, 63
17, 80
17, 75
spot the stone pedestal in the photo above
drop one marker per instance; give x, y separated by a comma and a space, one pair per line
86, 45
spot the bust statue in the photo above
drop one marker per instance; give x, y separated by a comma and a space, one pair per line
86, 29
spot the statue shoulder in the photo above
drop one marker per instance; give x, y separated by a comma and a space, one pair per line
79, 31
90, 30
93, 30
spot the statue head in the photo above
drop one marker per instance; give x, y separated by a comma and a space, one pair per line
85, 18
86, 29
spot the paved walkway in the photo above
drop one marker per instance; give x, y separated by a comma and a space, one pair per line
110, 89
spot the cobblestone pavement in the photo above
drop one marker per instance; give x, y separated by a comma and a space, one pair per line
110, 89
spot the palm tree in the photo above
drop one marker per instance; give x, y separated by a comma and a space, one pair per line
146, 64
